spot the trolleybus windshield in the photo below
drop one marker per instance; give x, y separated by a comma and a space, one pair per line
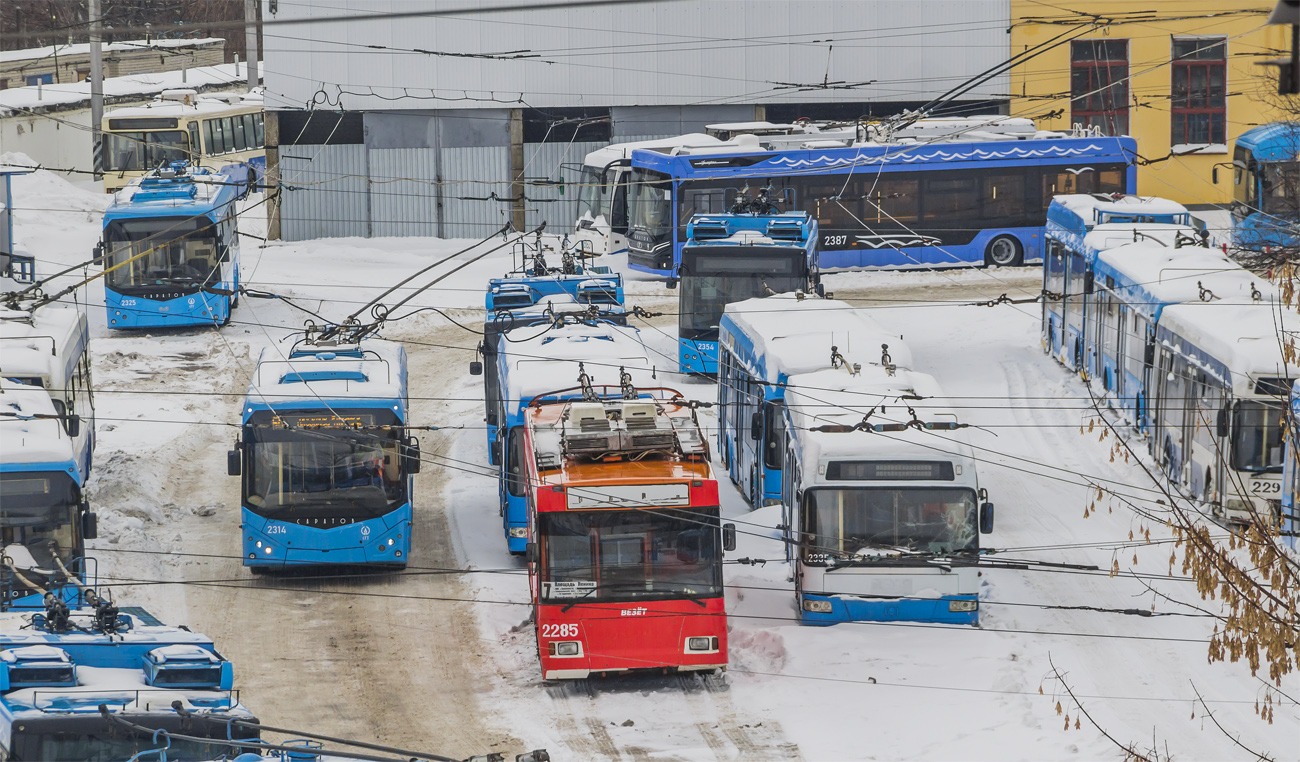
651, 202
134, 151
844, 522
1257, 443
180, 250
591, 193
91, 738
631, 555
712, 279
38, 517
314, 466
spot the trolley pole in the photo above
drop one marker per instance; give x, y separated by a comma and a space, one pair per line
250, 42
96, 88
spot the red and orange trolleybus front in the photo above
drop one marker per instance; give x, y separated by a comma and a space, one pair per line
626, 545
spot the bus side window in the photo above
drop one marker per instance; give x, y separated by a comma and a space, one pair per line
259, 129
250, 132
196, 149
237, 125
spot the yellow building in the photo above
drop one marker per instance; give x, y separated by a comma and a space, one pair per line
1180, 76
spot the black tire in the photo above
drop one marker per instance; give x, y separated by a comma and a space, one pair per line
1004, 251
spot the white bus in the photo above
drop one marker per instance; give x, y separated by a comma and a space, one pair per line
207, 130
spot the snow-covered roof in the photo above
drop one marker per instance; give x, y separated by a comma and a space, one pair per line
202, 105
1084, 204
1246, 336
209, 189
1170, 275
1113, 234
44, 344
330, 377
790, 336
837, 398
122, 46
25, 439
134, 86
603, 157
549, 362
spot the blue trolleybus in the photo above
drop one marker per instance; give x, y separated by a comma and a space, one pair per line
1078, 227
325, 460
533, 297
732, 257
532, 368
47, 438
45, 519
940, 193
91, 684
882, 506
762, 343
1186, 343
1266, 186
170, 249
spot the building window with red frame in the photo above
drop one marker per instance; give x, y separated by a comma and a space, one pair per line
1197, 105
1099, 85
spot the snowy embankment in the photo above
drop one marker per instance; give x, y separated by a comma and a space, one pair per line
166, 404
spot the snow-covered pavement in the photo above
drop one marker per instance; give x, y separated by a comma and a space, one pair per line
428, 659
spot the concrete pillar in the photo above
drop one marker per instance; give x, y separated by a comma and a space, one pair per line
250, 41
517, 167
96, 88
272, 126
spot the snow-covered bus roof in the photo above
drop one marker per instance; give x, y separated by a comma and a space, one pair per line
371, 374
148, 197
101, 674
603, 157
26, 440
198, 105
837, 398
43, 344
1149, 274
1246, 337
782, 335
549, 362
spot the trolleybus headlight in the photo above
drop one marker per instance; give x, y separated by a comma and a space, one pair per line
816, 607
963, 605
259, 543
565, 648
701, 644
519, 533
267, 550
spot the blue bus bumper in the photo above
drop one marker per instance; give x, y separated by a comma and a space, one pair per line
929, 610
276, 544
516, 538
514, 523
698, 357
126, 312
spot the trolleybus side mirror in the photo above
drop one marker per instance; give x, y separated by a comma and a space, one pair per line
89, 523
1221, 423
672, 283
98, 255
234, 463
820, 290
530, 552
411, 455
756, 427
728, 537
74, 426
1087, 283
1149, 354
476, 368
986, 518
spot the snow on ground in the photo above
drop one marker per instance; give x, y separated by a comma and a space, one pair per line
853, 691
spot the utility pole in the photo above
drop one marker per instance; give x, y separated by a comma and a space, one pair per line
96, 88
250, 42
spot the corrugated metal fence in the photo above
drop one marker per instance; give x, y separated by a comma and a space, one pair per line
350, 190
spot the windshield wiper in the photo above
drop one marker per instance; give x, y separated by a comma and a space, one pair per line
574, 602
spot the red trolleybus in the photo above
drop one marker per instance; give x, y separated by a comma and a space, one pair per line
625, 551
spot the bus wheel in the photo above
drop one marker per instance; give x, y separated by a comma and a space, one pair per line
1004, 251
